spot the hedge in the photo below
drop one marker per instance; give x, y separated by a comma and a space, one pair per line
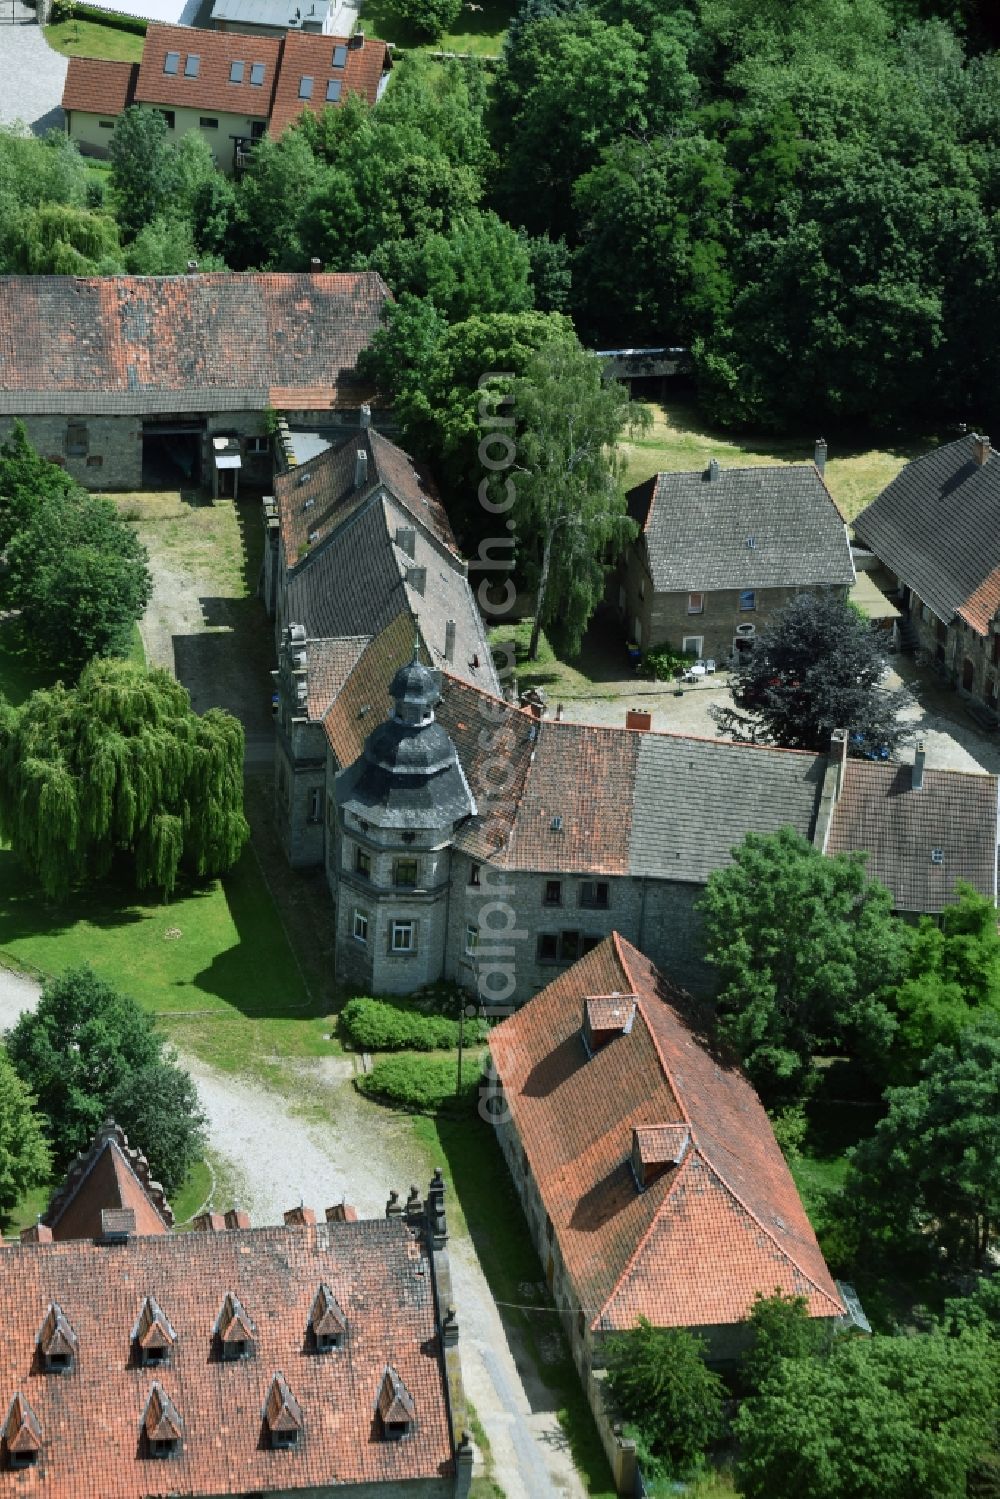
102, 18
426, 1084
393, 1025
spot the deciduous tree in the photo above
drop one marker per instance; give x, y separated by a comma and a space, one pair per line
25, 1162
658, 1379
120, 767
143, 168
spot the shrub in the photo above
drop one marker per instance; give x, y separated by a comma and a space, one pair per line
660, 1383
393, 1025
425, 1084
663, 663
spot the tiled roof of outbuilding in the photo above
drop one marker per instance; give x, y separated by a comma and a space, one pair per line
695, 1247
767, 527
937, 526
99, 87
954, 812
120, 344
90, 1418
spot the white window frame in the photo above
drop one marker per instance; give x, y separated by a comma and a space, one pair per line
398, 929
693, 645
699, 607
751, 594
359, 929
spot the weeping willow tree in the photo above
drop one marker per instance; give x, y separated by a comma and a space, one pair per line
120, 765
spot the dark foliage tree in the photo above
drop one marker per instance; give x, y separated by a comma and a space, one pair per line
929, 1177
659, 1382
479, 266
429, 18
782, 1329
25, 1162
878, 1418
806, 950
25, 480
144, 174
120, 767
816, 666
88, 1047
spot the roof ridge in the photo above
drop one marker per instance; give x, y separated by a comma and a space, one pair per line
636, 989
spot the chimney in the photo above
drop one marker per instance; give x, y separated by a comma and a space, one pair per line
820, 456
980, 449
210, 1223
300, 1217
357, 40
366, 415
638, 718
917, 777
449, 640
38, 1233
192, 267
406, 540
342, 1212
838, 757
417, 579
360, 468
315, 266
713, 470
237, 1218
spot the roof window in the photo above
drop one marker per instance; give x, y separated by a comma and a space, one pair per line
283, 1415
57, 1342
937, 855
22, 1434
192, 64
333, 90
235, 1330
339, 56
657, 1149
257, 74
305, 88
171, 63
327, 1323
395, 1406
162, 1426
236, 72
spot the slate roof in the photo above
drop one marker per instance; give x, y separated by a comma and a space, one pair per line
90, 1418
954, 812
134, 344
937, 526
698, 531
99, 87
109, 1177
695, 1247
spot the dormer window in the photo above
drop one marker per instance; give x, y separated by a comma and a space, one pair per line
153, 1336
327, 1323
606, 1016
282, 1415
22, 1434
657, 1149
162, 1425
235, 1332
57, 1342
395, 1406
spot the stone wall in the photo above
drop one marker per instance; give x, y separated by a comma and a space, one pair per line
108, 457
969, 660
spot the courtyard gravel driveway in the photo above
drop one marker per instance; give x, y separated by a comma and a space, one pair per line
352, 1151
31, 74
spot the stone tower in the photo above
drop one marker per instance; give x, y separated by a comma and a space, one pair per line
397, 809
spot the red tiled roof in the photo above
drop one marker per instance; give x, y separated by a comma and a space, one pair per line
982, 605
307, 55
954, 813
91, 1416
700, 1241
211, 88
329, 663
108, 1178
199, 342
99, 87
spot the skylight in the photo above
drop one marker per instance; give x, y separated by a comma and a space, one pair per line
191, 65
171, 63
333, 90
340, 56
236, 72
257, 74
305, 88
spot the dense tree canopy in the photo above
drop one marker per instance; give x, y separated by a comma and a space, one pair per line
660, 1384
816, 666
120, 768
25, 1161
88, 1050
806, 950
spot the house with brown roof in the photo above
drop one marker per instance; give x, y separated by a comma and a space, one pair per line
646, 1164
564, 832
129, 382
315, 1357
936, 530
232, 87
721, 551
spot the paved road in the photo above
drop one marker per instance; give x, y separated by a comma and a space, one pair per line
31, 74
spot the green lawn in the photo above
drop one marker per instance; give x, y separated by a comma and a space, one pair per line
483, 1203
91, 39
680, 440
478, 32
213, 964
